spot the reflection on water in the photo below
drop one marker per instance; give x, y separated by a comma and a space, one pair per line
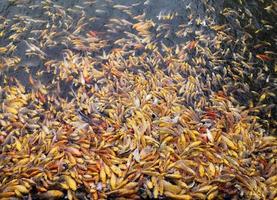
119, 81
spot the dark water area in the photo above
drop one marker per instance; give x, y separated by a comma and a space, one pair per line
256, 18
77, 65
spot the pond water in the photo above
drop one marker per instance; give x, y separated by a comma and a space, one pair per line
256, 18
103, 68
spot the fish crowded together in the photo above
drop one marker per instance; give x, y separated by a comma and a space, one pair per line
101, 99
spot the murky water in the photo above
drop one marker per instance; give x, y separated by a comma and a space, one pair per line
251, 17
